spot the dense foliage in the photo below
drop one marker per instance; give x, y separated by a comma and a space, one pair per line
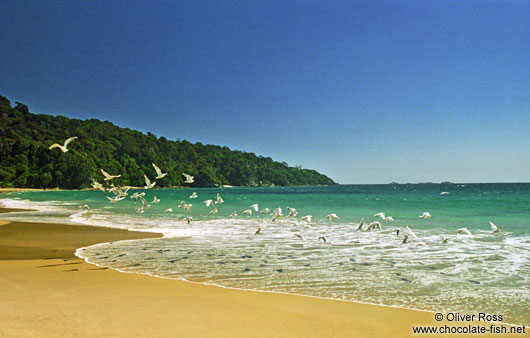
26, 161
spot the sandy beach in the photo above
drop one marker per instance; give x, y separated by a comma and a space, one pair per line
45, 291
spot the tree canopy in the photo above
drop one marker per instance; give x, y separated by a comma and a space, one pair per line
27, 162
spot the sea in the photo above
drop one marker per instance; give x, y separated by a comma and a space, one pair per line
441, 270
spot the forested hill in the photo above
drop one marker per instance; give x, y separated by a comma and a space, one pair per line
26, 160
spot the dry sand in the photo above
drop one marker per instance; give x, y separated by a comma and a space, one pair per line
46, 292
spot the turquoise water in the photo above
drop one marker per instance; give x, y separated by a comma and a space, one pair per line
467, 274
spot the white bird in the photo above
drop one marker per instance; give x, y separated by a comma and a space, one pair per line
112, 189
332, 217
189, 178
494, 228
389, 219
258, 231
426, 215
219, 199
381, 214
360, 226
188, 207
169, 210
405, 237
115, 199
108, 176
63, 147
277, 212
292, 212
207, 202
182, 204
159, 173
214, 211
96, 185
322, 238
155, 200
255, 207
444, 240
144, 203
233, 214
265, 211
148, 184
465, 230
194, 195
248, 212
299, 237
411, 232
188, 219
308, 218
84, 206
444, 193
123, 193
136, 195
374, 225
421, 244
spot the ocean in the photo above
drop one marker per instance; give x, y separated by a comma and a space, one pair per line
481, 272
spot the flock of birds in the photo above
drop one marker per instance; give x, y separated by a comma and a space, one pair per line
121, 192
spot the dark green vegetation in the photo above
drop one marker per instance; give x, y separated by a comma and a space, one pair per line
26, 161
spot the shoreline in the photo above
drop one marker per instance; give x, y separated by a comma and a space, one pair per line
81, 298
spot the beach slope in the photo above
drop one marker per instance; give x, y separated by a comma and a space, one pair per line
45, 291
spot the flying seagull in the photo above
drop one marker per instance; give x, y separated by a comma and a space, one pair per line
411, 232
360, 227
464, 230
159, 173
189, 178
96, 185
63, 147
255, 207
207, 202
332, 217
292, 212
494, 228
299, 237
148, 184
136, 195
308, 218
426, 215
108, 176
219, 199
374, 225
115, 199
194, 195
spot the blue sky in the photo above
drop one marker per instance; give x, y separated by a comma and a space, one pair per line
363, 91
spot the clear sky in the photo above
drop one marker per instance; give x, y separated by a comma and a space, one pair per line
363, 91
